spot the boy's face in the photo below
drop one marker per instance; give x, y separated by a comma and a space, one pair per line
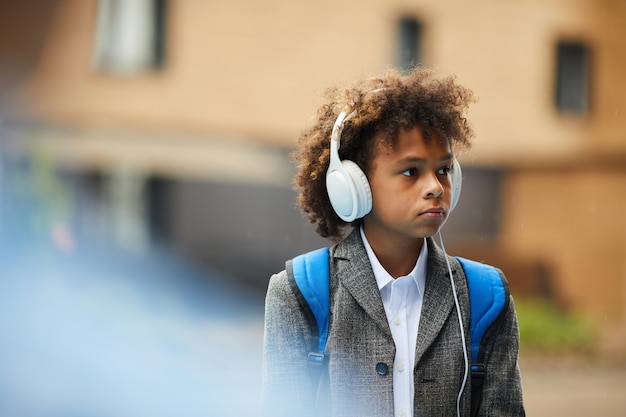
411, 188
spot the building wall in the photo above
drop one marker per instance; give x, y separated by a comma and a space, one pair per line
572, 220
257, 69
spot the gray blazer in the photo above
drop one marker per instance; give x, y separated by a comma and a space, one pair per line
360, 347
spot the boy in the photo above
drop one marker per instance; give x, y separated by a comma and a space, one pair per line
376, 173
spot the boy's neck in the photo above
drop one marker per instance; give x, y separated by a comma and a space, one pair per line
398, 257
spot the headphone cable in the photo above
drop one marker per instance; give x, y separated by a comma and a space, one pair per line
460, 318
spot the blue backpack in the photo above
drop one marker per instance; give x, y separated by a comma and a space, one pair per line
309, 276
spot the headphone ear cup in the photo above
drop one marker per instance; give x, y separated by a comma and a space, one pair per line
349, 191
340, 192
362, 190
456, 181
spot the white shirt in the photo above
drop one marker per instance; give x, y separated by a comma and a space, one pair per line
402, 300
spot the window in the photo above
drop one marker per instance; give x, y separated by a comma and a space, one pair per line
410, 43
572, 77
130, 35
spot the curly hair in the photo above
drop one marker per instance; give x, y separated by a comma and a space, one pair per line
384, 105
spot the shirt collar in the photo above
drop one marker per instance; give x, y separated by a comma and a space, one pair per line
383, 278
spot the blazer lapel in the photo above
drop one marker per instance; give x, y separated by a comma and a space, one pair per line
438, 300
354, 272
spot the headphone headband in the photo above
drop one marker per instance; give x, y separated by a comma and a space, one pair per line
343, 117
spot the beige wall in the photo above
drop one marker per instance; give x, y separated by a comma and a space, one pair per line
250, 69
256, 69
573, 220
610, 106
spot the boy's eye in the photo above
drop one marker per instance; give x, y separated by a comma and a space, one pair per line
444, 170
411, 172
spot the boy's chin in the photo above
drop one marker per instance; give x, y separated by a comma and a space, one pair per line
427, 235
433, 230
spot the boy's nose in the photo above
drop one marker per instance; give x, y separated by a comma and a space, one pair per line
434, 188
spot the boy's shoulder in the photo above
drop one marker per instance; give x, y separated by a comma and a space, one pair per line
278, 285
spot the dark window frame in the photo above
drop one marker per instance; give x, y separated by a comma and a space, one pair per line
410, 41
112, 33
572, 77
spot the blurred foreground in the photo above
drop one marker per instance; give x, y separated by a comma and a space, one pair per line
100, 332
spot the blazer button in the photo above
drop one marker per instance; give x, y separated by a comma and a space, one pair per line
382, 368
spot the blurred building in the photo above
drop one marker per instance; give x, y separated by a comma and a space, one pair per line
175, 118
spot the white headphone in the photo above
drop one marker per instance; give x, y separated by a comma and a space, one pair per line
347, 186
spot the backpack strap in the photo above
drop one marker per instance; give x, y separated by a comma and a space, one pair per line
489, 299
309, 277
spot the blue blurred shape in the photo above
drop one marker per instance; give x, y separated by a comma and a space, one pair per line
97, 331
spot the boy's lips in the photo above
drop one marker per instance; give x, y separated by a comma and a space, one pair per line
433, 212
